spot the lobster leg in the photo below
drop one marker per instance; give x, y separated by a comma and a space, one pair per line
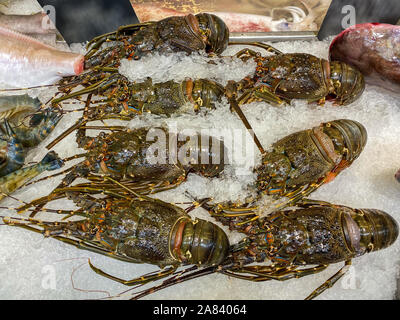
140, 188
298, 194
262, 93
96, 43
265, 46
136, 281
231, 95
331, 281
62, 190
55, 230
246, 54
102, 84
68, 179
269, 273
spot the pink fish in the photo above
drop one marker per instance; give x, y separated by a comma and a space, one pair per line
38, 23
26, 62
374, 48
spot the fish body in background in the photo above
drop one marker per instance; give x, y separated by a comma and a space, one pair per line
236, 22
374, 48
26, 62
38, 23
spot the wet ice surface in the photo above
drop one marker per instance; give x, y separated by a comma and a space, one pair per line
32, 267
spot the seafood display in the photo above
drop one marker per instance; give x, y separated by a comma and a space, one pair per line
202, 32
249, 16
190, 33
144, 230
373, 48
162, 173
295, 167
278, 80
40, 64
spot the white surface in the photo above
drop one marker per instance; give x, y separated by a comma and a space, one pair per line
28, 261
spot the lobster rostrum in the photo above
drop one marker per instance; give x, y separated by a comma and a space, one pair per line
282, 77
135, 229
300, 242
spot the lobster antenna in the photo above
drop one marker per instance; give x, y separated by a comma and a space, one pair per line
175, 280
81, 122
32, 209
77, 125
85, 290
29, 88
265, 46
11, 197
238, 110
